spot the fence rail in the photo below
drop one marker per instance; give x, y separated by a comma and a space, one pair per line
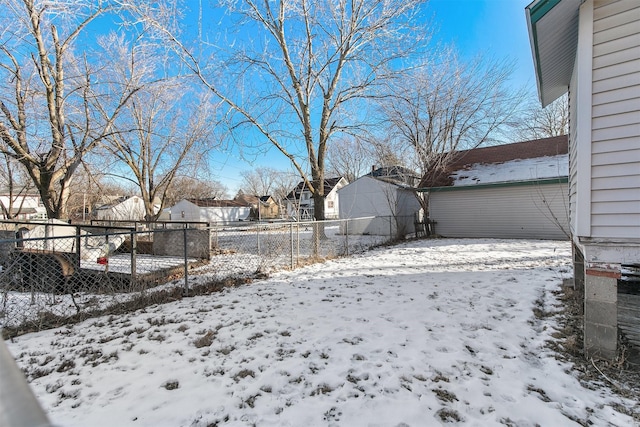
52, 274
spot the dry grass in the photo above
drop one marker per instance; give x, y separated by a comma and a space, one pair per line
623, 378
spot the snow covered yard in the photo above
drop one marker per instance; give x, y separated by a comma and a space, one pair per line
423, 333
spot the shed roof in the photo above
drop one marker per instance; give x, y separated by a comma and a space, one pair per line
329, 184
512, 155
213, 203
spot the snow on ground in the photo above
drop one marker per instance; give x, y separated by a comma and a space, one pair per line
423, 333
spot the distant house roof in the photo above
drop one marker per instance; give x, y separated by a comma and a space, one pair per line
329, 185
267, 200
213, 203
113, 201
396, 175
23, 211
521, 161
18, 193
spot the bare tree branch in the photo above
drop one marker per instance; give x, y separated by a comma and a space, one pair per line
305, 71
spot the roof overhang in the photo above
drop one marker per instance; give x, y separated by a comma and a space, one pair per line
553, 34
530, 182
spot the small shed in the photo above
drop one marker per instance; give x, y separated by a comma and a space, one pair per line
393, 204
515, 190
210, 210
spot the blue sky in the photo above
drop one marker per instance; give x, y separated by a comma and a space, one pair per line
495, 27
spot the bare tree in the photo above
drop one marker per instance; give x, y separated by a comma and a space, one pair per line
261, 181
388, 151
47, 121
448, 106
536, 122
91, 187
164, 129
350, 158
15, 186
184, 187
300, 78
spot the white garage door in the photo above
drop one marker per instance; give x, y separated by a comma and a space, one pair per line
537, 211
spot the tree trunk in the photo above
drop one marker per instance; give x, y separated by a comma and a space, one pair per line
318, 207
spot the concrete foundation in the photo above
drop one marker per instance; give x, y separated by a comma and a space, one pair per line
600, 310
172, 243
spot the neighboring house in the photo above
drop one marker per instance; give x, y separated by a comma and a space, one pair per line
210, 210
505, 191
300, 203
262, 208
268, 208
125, 208
22, 206
382, 195
591, 49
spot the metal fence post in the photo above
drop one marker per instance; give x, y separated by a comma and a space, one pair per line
134, 254
297, 242
107, 250
346, 236
78, 243
291, 241
185, 291
258, 238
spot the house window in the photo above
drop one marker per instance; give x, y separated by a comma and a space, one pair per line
330, 204
182, 214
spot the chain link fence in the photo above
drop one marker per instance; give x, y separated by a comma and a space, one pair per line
57, 273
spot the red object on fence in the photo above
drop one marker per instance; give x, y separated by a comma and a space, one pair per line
103, 260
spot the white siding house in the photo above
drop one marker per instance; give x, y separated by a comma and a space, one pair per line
214, 211
591, 49
506, 191
299, 203
122, 209
394, 206
21, 206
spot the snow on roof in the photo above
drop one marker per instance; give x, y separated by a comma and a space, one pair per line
513, 170
516, 162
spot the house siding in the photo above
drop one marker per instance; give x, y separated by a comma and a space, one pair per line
533, 211
185, 211
615, 124
367, 197
573, 155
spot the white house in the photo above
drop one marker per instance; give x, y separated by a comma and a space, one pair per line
591, 49
505, 191
210, 210
300, 203
393, 204
21, 206
123, 209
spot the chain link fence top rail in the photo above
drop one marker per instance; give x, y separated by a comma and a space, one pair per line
56, 273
